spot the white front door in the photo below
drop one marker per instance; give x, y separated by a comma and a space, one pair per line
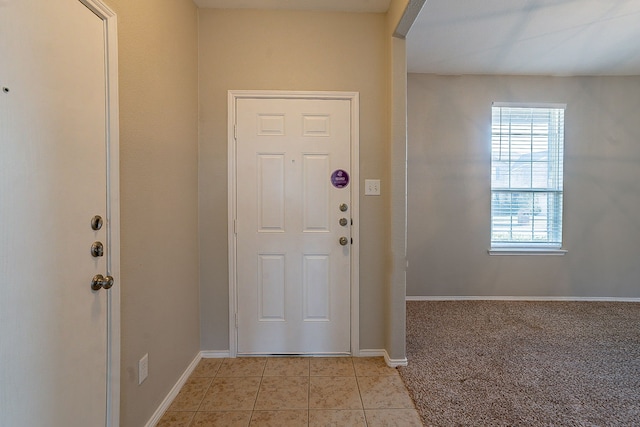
294, 205
54, 131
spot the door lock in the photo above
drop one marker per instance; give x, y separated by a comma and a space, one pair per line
343, 241
97, 249
344, 207
343, 221
96, 222
99, 281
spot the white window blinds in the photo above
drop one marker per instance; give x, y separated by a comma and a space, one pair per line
527, 150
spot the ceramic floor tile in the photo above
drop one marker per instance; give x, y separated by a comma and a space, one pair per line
222, 419
292, 391
334, 393
331, 367
336, 418
231, 394
372, 367
242, 367
384, 392
278, 393
297, 418
175, 419
287, 366
191, 394
207, 368
393, 418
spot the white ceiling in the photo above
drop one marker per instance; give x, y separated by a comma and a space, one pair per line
541, 37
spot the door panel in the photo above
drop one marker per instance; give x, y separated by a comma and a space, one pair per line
293, 276
52, 182
315, 193
271, 203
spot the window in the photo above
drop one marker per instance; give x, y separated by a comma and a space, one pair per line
527, 147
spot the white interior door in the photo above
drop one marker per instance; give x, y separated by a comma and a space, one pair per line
293, 273
53, 181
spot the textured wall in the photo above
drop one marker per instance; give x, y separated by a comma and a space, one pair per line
449, 188
158, 141
283, 50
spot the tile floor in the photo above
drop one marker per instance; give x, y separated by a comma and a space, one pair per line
292, 391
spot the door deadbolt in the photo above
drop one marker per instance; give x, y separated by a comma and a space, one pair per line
97, 249
343, 241
344, 207
343, 221
96, 222
100, 282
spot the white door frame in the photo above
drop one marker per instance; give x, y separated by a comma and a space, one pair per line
113, 207
354, 98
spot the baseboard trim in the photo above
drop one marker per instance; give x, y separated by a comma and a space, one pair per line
157, 415
372, 353
215, 354
519, 298
392, 363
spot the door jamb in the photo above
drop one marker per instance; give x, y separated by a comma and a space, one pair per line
112, 136
354, 98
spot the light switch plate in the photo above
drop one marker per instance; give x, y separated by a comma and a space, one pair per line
371, 187
143, 368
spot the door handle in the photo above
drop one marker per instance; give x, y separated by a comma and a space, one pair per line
100, 282
343, 241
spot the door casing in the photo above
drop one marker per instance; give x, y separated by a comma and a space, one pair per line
354, 98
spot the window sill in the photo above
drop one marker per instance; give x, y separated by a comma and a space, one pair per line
526, 251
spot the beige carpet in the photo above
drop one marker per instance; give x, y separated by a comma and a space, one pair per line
498, 363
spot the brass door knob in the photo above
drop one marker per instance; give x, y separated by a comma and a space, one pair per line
100, 282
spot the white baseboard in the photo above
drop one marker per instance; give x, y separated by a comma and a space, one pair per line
518, 298
372, 353
392, 363
215, 354
155, 418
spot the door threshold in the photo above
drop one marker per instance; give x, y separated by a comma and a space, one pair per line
339, 354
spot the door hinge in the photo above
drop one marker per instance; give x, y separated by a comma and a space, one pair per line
235, 132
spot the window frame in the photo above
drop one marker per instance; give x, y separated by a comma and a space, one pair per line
526, 247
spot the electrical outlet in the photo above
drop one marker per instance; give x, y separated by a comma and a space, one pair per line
371, 187
143, 368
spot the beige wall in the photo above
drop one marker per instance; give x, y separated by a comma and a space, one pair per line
285, 50
158, 141
449, 184
395, 310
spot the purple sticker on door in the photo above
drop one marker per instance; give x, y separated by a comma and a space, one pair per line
340, 178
